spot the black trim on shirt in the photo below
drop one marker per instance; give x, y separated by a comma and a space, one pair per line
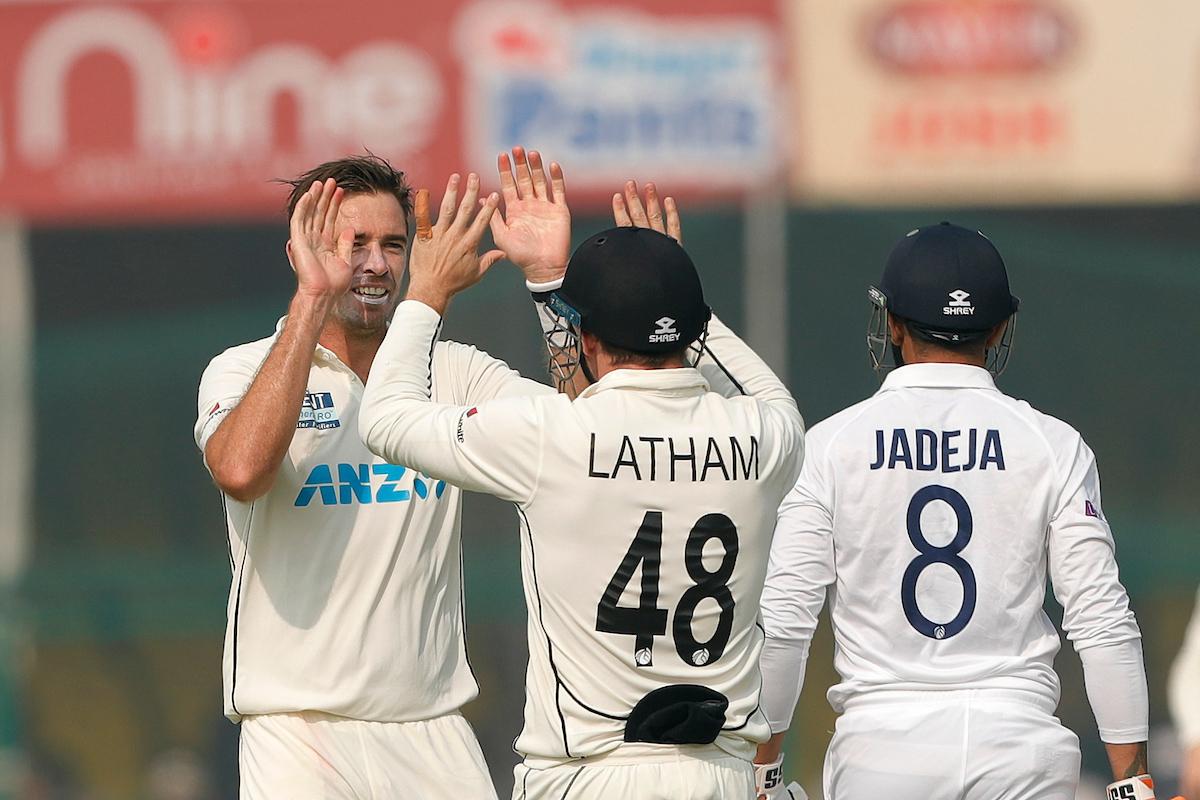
462, 609
437, 331
237, 608
721, 366
549, 645
574, 778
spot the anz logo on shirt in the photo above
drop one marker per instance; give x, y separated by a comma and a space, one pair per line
355, 484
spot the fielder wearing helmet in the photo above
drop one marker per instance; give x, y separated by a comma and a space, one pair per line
943, 286
632, 294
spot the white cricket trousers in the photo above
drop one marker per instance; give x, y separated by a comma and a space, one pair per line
638, 771
313, 756
984, 744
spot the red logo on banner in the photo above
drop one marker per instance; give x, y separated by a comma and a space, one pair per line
953, 36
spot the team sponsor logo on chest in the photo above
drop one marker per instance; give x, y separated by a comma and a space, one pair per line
938, 451
317, 411
364, 484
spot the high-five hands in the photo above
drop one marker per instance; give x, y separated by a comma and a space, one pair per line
534, 231
320, 260
630, 212
445, 255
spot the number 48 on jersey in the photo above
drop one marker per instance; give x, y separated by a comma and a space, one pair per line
646, 620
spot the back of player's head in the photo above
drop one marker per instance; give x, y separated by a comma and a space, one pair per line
949, 283
365, 174
635, 289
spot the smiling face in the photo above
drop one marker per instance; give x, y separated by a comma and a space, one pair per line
379, 258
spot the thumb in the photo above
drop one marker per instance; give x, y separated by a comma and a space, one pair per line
488, 259
499, 227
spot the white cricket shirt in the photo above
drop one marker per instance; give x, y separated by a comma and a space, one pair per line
647, 508
934, 511
346, 595
1183, 687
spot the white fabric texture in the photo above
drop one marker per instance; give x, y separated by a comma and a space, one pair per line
641, 772
950, 745
1183, 687
312, 756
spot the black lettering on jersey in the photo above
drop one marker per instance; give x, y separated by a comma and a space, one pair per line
652, 440
627, 447
937, 450
689, 456
592, 462
740, 462
737, 457
710, 461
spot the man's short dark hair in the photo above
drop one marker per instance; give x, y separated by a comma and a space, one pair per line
367, 174
620, 356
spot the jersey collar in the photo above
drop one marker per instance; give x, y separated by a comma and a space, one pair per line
322, 353
682, 380
939, 376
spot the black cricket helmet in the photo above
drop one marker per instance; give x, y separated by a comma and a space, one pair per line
948, 284
633, 288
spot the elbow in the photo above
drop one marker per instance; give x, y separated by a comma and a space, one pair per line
241, 484
370, 428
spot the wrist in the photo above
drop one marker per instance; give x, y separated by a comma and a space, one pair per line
1139, 787
541, 273
314, 307
433, 296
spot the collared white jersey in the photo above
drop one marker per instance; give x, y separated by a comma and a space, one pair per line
346, 595
647, 507
934, 511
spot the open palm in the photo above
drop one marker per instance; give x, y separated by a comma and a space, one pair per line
535, 230
320, 259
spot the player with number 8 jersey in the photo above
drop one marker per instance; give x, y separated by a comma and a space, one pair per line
646, 507
934, 512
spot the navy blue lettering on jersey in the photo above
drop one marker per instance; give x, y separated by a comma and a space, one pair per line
925, 450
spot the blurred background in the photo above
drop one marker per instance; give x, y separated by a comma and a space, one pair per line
141, 234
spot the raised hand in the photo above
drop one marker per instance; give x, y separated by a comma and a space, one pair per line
320, 260
535, 229
445, 255
629, 212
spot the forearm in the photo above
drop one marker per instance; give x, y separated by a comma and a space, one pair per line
397, 398
1127, 760
1115, 679
245, 451
770, 750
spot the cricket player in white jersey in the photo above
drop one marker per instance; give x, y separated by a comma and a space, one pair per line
646, 506
345, 660
934, 512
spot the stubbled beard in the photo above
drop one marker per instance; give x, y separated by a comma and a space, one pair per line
349, 313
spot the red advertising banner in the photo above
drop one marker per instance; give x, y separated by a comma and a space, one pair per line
183, 109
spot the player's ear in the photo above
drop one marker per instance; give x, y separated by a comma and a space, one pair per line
996, 335
287, 248
590, 344
897, 330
